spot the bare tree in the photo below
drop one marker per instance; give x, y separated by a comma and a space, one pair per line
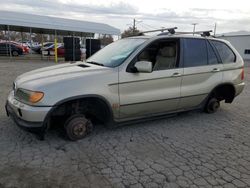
106, 39
131, 31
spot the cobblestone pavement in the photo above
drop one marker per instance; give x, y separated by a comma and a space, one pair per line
192, 149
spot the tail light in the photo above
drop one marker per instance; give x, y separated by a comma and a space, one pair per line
242, 74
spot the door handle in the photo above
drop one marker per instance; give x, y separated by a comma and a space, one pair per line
215, 70
176, 74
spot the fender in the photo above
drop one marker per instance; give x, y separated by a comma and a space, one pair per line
222, 84
105, 101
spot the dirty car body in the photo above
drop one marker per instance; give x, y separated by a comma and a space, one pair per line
131, 79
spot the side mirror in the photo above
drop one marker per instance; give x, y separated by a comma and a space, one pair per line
144, 66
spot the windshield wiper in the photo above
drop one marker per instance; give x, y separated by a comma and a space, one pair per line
95, 63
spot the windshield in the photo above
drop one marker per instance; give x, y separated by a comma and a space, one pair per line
115, 53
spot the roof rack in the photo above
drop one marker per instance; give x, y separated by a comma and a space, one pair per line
170, 30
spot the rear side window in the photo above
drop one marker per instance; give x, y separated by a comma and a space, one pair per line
212, 58
195, 52
226, 54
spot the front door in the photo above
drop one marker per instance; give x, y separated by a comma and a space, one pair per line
145, 94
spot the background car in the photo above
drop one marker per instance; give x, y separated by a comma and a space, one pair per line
50, 49
60, 51
25, 47
5, 48
47, 46
38, 48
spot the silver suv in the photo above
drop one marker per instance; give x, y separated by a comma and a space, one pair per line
133, 78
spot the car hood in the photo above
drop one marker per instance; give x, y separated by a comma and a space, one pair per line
57, 73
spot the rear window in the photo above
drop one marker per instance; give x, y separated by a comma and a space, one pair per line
226, 54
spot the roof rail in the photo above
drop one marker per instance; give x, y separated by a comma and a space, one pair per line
170, 30
202, 33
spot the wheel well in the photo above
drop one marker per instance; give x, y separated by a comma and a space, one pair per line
224, 92
93, 108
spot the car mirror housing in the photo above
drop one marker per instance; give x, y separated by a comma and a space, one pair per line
144, 66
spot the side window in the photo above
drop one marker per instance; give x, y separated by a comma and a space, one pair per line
195, 52
212, 58
226, 54
3, 47
163, 54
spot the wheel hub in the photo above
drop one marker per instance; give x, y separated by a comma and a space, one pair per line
79, 129
215, 105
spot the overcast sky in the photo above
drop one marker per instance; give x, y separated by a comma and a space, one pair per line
229, 15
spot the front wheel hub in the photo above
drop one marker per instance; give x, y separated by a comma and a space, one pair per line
77, 127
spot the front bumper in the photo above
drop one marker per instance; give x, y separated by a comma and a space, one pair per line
25, 116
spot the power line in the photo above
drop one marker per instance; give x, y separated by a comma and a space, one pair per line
145, 27
149, 26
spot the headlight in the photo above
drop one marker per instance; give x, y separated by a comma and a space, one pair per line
29, 96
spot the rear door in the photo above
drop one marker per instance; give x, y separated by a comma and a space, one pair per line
231, 70
202, 72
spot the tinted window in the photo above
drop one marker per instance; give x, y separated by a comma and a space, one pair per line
212, 59
2, 45
247, 51
226, 54
3, 48
195, 52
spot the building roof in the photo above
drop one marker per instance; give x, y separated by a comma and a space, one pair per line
22, 22
234, 34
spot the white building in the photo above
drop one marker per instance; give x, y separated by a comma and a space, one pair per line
240, 40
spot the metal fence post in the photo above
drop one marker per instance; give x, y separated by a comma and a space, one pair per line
9, 42
30, 39
73, 46
55, 46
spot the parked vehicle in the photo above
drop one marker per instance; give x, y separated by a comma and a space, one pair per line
6, 47
61, 51
38, 49
51, 50
133, 78
30, 44
25, 48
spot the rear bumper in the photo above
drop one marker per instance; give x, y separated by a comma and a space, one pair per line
239, 88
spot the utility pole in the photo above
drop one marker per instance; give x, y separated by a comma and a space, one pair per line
215, 27
134, 25
194, 24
